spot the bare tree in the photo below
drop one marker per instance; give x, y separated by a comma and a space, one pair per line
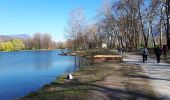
37, 40
167, 8
29, 43
68, 44
121, 23
1, 40
75, 28
46, 40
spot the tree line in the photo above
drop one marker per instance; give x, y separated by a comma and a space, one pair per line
13, 45
40, 41
121, 23
37, 42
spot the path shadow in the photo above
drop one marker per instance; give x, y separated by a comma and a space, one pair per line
146, 77
162, 65
111, 93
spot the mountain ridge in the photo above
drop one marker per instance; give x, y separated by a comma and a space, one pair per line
16, 36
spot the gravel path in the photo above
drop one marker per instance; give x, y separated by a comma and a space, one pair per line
158, 74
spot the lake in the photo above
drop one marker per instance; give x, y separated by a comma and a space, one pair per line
26, 71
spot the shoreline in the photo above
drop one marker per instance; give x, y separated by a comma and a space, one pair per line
88, 79
32, 50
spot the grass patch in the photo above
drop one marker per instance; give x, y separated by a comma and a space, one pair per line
98, 81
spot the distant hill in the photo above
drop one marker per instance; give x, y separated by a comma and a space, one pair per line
17, 36
20, 36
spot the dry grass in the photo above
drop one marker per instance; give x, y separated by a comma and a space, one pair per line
101, 81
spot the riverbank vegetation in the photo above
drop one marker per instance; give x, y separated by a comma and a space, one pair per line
39, 41
13, 45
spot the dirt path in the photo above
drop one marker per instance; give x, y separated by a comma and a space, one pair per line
101, 81
158, 74
122, 85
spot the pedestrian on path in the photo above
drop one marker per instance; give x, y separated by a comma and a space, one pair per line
164, 50
158, 53
145, 54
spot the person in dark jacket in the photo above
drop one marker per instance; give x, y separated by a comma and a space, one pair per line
164, 50
145, 54
158, 53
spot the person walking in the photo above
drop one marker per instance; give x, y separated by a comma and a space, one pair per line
158, 53
145, 54
164, 50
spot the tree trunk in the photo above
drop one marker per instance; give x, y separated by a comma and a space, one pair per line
167, 27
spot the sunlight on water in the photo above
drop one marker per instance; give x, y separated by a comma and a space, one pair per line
26, 71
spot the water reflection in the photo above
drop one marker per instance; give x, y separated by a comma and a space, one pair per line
42, 61
22, 72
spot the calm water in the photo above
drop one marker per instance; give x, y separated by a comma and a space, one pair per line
26, 71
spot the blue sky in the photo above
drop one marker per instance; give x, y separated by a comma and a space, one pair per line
31, 16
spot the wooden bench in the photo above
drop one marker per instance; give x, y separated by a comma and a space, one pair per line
107, 58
